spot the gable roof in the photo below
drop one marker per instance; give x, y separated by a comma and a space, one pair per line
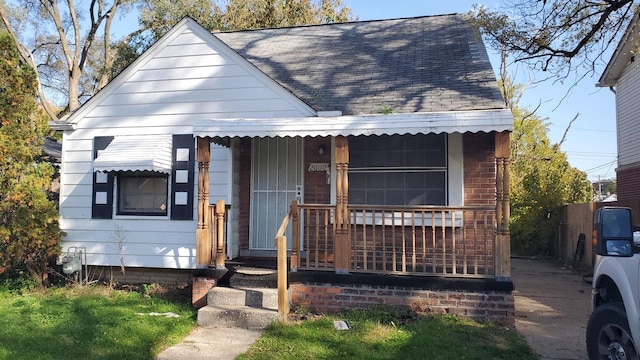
422, 64
182, 35
623, 53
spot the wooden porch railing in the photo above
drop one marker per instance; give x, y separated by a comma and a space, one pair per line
420, 240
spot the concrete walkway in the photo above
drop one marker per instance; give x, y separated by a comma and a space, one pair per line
552, 308
212, 343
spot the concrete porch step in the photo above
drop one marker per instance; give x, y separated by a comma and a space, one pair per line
236, 316
265, 298
249, 308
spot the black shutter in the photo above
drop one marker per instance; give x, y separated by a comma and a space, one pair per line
101, 187
181, 188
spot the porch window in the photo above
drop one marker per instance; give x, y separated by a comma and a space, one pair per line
398, 169
142, 193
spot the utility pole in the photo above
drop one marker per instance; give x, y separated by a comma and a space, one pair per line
599, 188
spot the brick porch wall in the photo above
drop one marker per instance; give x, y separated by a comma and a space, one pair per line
494, 306
316, 189
479, 169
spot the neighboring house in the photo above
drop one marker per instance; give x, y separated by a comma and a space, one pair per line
392, 135
622, 75
52, 150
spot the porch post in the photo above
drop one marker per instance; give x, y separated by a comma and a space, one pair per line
342, 241
203, 240
220, 256
503, 238
295, 234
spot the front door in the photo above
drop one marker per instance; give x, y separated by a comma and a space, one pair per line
277, 170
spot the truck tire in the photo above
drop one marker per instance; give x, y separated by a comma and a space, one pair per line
608, 335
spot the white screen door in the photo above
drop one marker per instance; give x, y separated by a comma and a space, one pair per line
276, 181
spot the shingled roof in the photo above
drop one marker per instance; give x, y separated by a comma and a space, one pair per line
422, 64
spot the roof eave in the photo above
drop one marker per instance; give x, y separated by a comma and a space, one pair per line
621, 56
61, 125
497, 120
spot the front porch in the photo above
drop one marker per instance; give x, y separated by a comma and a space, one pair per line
446, 258
418, 240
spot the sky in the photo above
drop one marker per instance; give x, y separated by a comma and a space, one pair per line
590, 144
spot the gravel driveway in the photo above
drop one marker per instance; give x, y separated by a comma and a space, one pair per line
552, 308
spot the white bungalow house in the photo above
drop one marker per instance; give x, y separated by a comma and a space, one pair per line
622, 75
386, 142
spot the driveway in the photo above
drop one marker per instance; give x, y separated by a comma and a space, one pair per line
552, 308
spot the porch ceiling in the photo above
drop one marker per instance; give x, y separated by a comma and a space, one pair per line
415, 123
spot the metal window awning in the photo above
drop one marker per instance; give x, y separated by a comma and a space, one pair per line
136, 153
415, 123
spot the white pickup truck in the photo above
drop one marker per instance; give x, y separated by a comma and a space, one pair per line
613, 330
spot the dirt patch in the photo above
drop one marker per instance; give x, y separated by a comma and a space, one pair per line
553, 304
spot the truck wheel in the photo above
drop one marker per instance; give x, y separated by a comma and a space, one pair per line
608, 335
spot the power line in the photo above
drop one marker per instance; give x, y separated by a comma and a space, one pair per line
600, 167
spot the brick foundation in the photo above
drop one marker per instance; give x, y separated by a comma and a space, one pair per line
493, 306
134, 275
200, 290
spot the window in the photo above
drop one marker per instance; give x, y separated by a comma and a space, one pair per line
398, 170
142, 193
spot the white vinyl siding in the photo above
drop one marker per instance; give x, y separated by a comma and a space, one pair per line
628, 115
186, 76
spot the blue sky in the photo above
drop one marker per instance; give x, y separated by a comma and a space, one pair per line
591, 142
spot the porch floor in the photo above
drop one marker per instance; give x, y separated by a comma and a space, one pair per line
250, 272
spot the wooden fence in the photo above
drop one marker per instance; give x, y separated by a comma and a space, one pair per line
578, 219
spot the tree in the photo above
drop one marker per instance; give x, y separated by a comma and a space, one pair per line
29, 231
542, 181
253, 14
70, 47
559, 36
63, 46
541, 178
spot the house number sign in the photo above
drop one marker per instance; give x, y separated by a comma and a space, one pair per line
318, 167
321, 167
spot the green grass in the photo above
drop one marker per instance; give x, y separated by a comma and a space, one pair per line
384, 335
99, 323
88, 323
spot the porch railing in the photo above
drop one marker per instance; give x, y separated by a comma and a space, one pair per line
423, 240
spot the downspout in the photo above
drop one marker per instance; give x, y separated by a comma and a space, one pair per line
613, 90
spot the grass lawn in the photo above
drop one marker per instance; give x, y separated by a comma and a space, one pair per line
385, 335
88, 323
100, 323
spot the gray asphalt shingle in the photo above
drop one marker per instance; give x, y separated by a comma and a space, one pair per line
422, 64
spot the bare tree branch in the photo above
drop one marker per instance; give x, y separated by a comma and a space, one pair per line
27, 57
557, 35
566, 131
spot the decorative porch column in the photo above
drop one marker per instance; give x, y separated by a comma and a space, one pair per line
203, 240
220, 255
503, 237
342, 241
